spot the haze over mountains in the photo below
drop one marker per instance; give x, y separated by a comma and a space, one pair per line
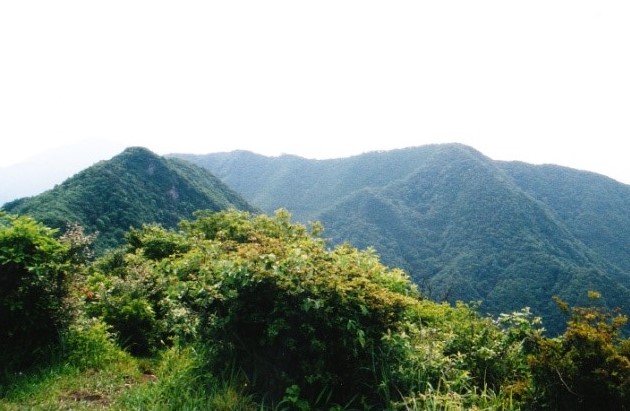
464, 226
42, 171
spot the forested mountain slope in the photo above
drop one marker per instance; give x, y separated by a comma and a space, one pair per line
133, 188
303, 186
464, 226
595, 209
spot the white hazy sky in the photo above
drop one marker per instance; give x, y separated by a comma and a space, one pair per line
538, 81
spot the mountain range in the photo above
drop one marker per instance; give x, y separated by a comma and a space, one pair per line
464, 226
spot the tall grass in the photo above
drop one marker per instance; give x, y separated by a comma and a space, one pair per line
89, 371
182, 381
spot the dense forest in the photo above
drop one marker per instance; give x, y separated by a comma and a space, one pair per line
233, 311
463, 226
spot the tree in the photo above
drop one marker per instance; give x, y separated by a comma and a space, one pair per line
588, 367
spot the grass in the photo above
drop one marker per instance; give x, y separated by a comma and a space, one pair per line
174, 380
67, 387
90, 372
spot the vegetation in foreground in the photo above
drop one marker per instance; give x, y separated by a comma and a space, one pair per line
240, 312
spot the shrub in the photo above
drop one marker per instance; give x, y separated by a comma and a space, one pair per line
89, 344
588, 367
34, 286
293, 312
263, 294
304, 325
125, 292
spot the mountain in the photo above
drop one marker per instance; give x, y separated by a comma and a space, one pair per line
306, 187
593, 207
41, 172
134, 187
464, 226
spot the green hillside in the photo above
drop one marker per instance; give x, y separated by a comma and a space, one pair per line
306, 187
594, 208
133, 188
464, 226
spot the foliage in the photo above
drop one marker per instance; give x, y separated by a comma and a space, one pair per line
304, 323
89, 344
126, 295
459, 360
234, 311
80, 244
260, 290
34, 286
588, 367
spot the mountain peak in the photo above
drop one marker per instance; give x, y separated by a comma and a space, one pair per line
133, 188
138, 151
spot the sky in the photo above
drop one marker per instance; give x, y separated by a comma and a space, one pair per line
536, 81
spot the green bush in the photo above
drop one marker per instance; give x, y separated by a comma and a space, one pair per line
493, 352
89, 344
155, 242
248, 312
268, 297
293, 312
125, 292
588, 367
262, 293
34, 287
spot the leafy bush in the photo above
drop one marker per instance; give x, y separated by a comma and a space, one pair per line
126, 293
588, 367
262, 292
248, 311
155, 242
268, 297
34, 286
493, 352
311, 326
89, 344
456, 359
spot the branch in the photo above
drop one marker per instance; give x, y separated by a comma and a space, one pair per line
564, 383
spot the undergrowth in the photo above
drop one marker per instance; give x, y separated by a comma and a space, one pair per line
235, 312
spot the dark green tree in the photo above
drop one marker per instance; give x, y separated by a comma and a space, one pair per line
34, 285
588, 367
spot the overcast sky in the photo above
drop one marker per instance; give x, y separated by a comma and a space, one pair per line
538, 81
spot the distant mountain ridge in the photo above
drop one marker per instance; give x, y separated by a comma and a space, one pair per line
464, 226
133, 188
